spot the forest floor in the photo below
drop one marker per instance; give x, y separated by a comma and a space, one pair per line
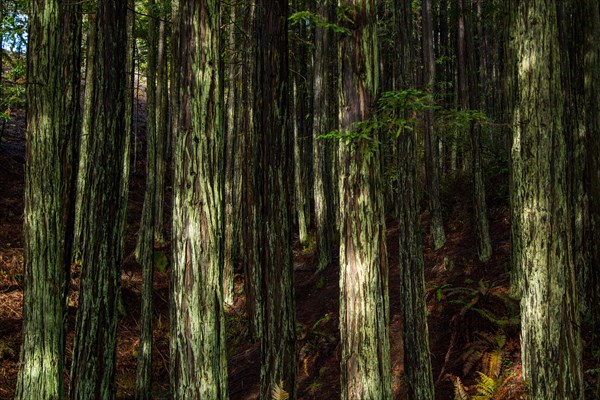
473, 323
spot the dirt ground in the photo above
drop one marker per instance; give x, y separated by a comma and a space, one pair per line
455, 279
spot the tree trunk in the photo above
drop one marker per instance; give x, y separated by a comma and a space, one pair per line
145, 238
93, 367
162, 125
81, 208
52, 130
467, 82
550, 340
417, 362
249, 213
273, 143
300, 108
431, 141
197, 340
590, 277
324, 121
364, 305
232, 150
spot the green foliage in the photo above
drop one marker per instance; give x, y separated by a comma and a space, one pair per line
489, 300
321, 283
12, 88
313, 19
14, 25
161, 262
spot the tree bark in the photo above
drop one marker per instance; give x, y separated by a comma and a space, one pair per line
197, 340
590, 276
273, 144
324, 121
162, 124
467, 82
364, 304
52, 131
93, 367
431, 141
145, 238
550, 338
417, 362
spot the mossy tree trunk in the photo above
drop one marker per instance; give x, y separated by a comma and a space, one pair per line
94, 348
364, 305
197, 339
550, 338
431, 141
590, 276
324, 121
52, 130
273, 144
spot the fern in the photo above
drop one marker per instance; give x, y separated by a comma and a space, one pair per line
485, 387
279, 392
459, 390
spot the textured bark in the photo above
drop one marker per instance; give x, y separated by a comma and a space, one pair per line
273, 144
52, 130
431, 148
301, 92
589, 281
467, 82
145, 238
250, 227
197, 339
324, 121
93, 367
87, 127
417, 362
162, 125
550, 339
233, 157
364, 304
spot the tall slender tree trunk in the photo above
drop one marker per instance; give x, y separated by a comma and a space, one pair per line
299, 72
324, 121
467, 82
550, 338
249, 212
364, 304
273, 143
232, 149
94, 348
197, 340
417, 362
162, 124
145, 238
81, 210
431, 141
52, 131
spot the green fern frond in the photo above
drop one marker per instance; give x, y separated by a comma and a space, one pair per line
486, 387
279, 392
